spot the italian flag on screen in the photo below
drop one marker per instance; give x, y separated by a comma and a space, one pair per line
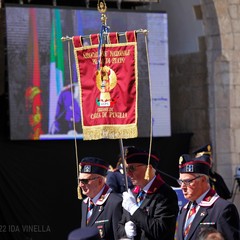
56, 81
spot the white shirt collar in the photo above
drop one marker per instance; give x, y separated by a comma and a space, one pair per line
145, 189
202, 196
97, 196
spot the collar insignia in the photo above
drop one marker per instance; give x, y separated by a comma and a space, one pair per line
210, 198
101, 198
104, 196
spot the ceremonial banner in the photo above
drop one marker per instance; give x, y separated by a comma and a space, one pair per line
108, 81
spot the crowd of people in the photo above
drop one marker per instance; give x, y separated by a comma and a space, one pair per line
147, 209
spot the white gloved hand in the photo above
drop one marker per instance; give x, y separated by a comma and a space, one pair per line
130, 229
129, 202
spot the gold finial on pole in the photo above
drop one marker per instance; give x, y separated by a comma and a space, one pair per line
102, 8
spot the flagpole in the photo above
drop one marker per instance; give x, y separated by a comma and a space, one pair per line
102, 8
123, 163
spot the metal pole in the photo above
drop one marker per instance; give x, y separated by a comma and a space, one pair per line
67, 38
123, 163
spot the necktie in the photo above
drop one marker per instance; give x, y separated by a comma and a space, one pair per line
90, 209
140, 197
189, 219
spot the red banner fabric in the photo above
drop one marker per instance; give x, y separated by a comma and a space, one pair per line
113, 37
94, 38
108, 95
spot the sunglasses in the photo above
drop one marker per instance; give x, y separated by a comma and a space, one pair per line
187, 182
86, 181
133, 168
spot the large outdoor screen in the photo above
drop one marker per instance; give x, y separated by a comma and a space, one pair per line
42, 79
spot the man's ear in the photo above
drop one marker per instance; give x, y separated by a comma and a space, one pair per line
204, 179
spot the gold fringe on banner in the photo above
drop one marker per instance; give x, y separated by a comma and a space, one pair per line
110, 132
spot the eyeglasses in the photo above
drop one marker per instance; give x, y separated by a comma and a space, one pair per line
132, 168
187, 182
86, 181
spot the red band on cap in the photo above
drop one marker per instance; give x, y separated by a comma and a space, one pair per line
193, 163
94, 164
142, 154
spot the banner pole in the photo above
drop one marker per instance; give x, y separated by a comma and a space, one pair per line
123, 163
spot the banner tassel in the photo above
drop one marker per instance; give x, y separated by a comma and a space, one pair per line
147, 176
79, 193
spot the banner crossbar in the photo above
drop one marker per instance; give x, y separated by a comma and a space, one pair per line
67, 38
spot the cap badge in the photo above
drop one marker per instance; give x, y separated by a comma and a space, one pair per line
87, 169
189, 168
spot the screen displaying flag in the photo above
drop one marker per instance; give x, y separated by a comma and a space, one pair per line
31, 75
56, 65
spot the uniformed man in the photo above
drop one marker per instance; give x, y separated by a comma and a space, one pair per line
205, 207
216, 180
150, 210
101, 208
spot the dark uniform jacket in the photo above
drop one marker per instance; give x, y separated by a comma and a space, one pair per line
155, 219
106, 214
213, 212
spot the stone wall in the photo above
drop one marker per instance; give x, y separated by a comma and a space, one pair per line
222, 31
189, 97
